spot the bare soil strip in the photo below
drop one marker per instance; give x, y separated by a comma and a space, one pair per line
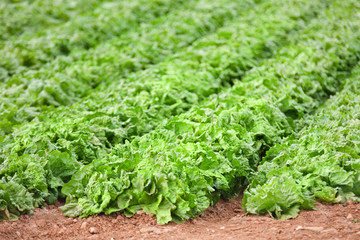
226, 220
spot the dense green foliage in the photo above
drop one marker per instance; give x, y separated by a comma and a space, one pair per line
18, 17
67, 80
83, 31
183, 102
178, 170
322, 160
137, 104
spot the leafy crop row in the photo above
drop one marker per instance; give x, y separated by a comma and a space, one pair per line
19, 17
66, 80
321, 161
137, 104
178, 170
83, 31
190, 160
88, 130
166, 106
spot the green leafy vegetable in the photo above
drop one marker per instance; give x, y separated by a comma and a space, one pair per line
320, 161
166, 106
27, 181
83, 31
144, 100
68, 79
17, 17
214, 150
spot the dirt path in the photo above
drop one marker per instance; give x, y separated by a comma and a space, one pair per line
224, 221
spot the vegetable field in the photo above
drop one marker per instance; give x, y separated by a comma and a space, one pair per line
166, 106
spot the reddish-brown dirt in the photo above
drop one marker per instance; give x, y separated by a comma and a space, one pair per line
226, 220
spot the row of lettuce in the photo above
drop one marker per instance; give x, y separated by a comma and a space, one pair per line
85, 30
91, 128
179, 169
20, 17
174, 138
321, 160
139, 102
66, 80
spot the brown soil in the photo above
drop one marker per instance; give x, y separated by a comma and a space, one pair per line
226, 220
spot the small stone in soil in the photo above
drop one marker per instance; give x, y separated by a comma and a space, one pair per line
140, 212
68, 222
62, 230
93, 230
41, 222
150, 229
83, 225
310, 228
331, 230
